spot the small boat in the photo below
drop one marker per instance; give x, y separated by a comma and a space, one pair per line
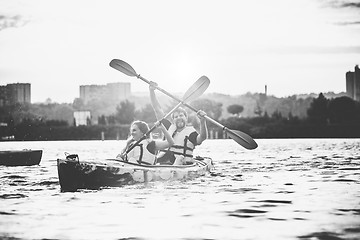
24, 157
75, 174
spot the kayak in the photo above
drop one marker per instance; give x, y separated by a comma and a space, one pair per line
24, 157
75, 174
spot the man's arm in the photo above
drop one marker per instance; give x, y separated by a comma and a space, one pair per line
159, 113
203, 127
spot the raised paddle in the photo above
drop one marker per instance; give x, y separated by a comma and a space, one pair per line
195, 91
241, 138
128, 70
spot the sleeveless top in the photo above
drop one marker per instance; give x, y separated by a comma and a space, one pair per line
143, 153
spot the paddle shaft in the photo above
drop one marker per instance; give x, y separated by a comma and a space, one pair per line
192, 108
164, 91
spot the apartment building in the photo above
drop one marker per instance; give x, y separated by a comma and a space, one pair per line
111, 92
15, 93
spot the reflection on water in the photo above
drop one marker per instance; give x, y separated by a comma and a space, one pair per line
285, 189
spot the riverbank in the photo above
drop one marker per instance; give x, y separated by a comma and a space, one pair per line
120, 132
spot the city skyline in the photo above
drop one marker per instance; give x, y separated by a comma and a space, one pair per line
118, 91
295, 47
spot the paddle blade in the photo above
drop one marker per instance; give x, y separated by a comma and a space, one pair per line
197, 89
123, 67
242, 138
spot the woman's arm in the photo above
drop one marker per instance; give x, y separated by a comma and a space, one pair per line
163, 144
127, 145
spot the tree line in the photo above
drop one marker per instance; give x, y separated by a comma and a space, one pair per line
335, 117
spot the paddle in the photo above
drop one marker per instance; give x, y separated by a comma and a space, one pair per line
128, 70
195, 91
241, 138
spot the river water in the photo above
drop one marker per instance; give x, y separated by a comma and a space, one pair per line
285, 189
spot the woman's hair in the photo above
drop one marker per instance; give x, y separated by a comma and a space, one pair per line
141, 125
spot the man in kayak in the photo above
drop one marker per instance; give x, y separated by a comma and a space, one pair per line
185, 137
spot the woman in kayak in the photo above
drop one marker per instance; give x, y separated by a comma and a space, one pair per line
145, 151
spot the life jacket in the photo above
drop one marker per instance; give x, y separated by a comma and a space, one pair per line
140, 154
182, 146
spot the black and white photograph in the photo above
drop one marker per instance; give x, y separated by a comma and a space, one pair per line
179, 120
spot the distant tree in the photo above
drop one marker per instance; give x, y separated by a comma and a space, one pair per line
266, 115
276, 115
290, 116
62, 112
146, 114
23, 113
212, 108
318, 110
56, 123
78, 104
235, 109
48, 101
88, 121
342, 110
258, 111
111, 119
262, 99
97, 107
125, 112
102, 120
236, 123
53, 111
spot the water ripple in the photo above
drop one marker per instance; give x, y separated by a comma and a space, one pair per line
7, 213
322, 236
284, 189
12, 196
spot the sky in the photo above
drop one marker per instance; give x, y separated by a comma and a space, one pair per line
292, 46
